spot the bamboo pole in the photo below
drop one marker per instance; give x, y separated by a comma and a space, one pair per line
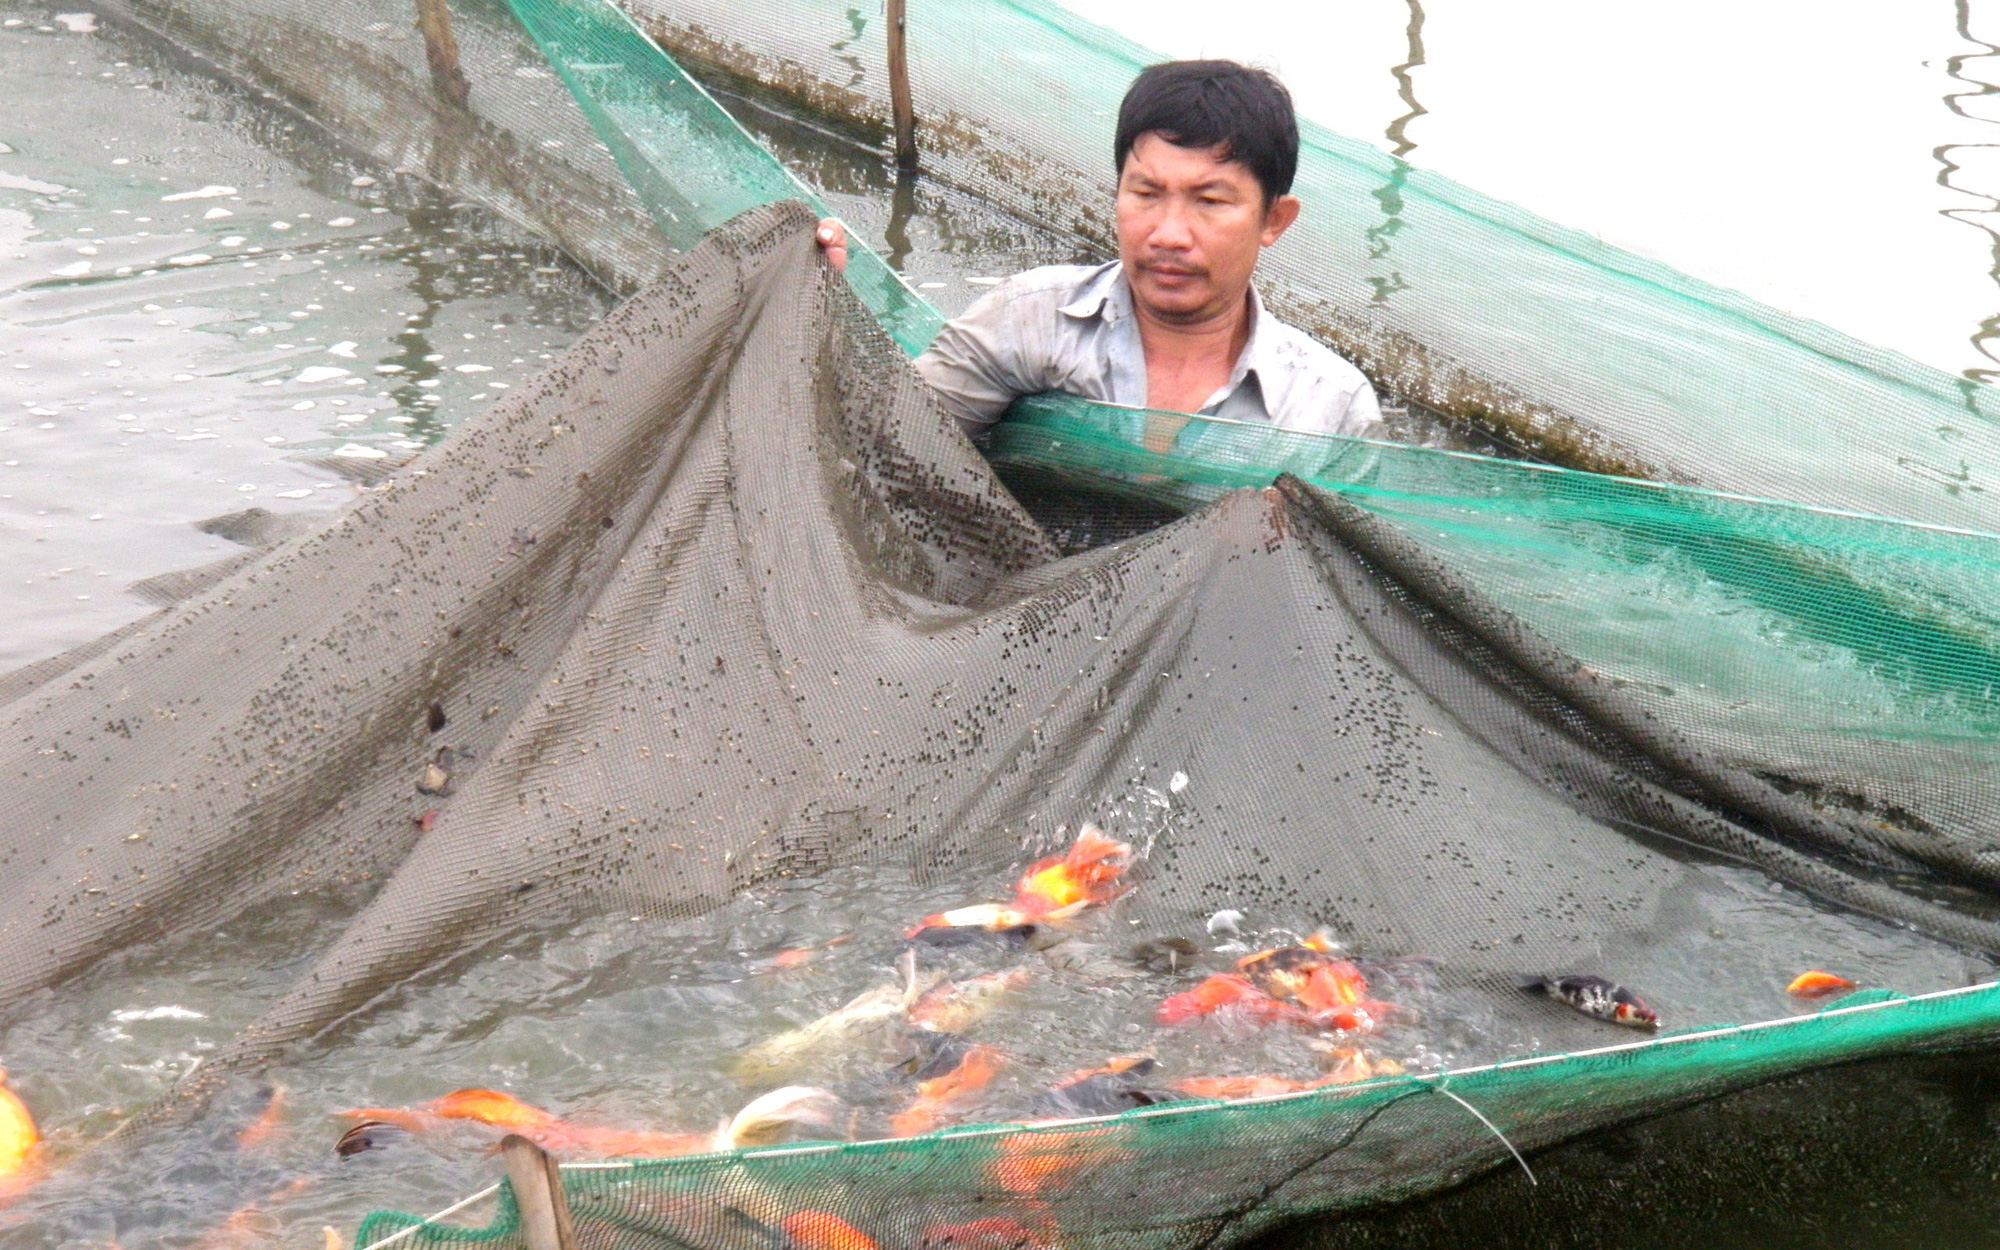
899, 91
441, 49
538, 1194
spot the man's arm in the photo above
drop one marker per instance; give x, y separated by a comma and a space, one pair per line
977, 365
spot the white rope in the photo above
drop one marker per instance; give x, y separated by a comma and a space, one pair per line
451, 1210
1490, 1127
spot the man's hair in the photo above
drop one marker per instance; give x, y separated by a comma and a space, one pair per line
1245, 112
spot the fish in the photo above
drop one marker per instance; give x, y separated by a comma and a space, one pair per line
1117, 1085
1348, 1066
874, 1011
955, 1006
941, 1095
1050, 891
18, 1135
1167, 954
1230, 992
369, 1135
259, 1132
800, 956
1817, 984
759, 1122
1087, 875
1597, 998
821, 1230
1240, 998
1234, 1087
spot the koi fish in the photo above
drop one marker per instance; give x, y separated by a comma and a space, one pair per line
259, 1132
1051, 890
1816, 984
800, 956
1087, 875
1234, 1087
1238, 996
1226, 991
875, 1010
955, 1006
1597, 998
759, 1122
941, 1095
369, 1135
18, 1135
820, 1230
1349, 1066
1107, 1090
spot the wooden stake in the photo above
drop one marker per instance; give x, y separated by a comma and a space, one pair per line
899, 91
538, 1193
434, 20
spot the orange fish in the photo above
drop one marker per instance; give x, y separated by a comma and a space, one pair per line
1817, 984
940, 1095
1233, 993
819, 1230
497, 1110
259, 1132
1232, 1087
1087, 875
1361, 1017
18, 1135
1349, 1066
800, 956
1051, 889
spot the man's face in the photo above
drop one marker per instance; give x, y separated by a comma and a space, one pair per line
1190, 227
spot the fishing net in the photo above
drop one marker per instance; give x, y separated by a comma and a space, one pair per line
723, 601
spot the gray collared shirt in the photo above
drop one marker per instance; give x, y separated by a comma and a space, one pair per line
1071, 328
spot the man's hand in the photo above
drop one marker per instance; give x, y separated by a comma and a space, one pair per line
832, 238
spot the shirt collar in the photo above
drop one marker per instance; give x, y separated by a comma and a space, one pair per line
1105, 294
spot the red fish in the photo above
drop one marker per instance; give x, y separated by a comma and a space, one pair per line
941, 1095
820, 1230
1817, 984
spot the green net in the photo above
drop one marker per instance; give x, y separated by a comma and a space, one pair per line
1237, 1169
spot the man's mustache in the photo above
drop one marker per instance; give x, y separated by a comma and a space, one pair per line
1170, 265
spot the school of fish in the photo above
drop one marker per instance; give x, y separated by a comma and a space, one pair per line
935, 1075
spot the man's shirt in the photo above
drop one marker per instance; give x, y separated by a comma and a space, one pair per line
1071, 328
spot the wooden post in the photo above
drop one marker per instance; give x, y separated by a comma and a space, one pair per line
899, 91
434, 20
538, 1192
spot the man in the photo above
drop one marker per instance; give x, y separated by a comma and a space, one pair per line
1206, 151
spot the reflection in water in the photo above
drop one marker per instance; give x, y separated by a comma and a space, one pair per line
1979, 217
1390, 194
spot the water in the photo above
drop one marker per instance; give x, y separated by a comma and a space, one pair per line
1835, 160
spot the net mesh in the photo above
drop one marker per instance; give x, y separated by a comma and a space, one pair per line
1513, 715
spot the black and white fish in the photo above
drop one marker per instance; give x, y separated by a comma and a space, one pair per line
1597, 998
